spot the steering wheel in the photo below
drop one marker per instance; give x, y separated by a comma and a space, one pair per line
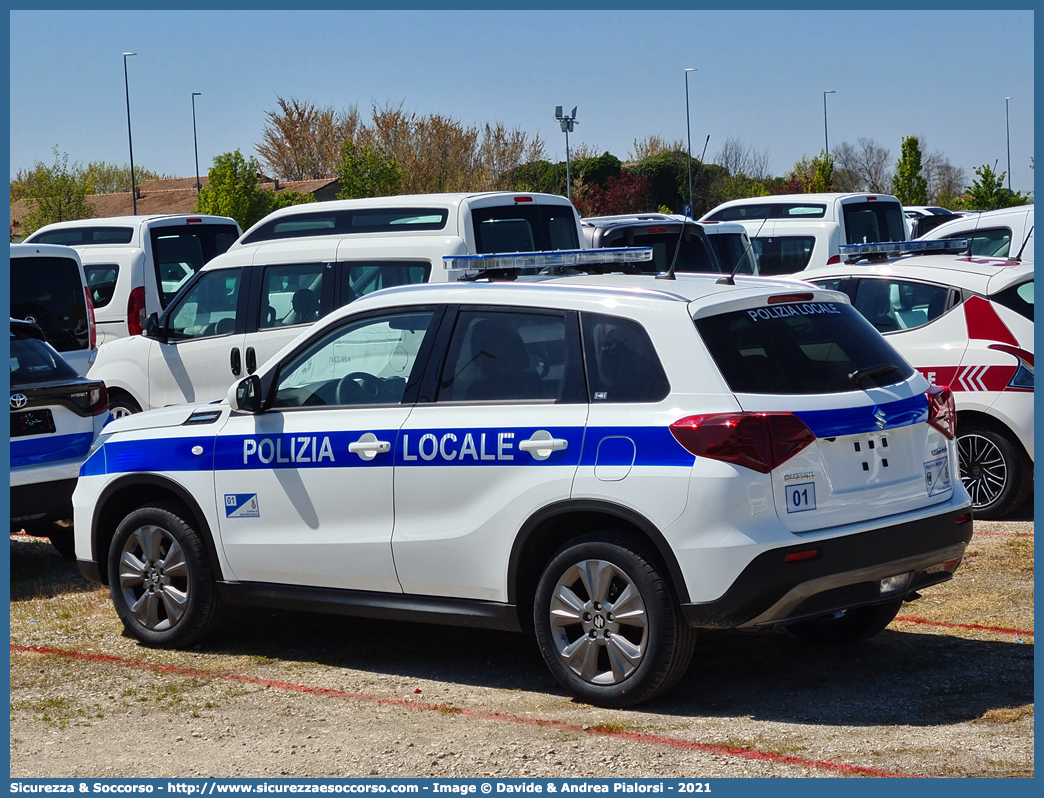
358, 388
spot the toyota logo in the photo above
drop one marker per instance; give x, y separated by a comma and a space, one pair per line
18, 401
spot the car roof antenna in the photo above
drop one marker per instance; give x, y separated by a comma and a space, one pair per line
730, 278
669, 274
1024, 243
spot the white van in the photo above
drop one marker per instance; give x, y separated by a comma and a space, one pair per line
1007, 233
297, 265
791, 232
49, 289
136, 264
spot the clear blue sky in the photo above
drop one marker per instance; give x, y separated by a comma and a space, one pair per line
940, 75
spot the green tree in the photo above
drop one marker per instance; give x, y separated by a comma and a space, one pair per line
112, 178
56, 193
367, 171
988, 193
234, 189
909, 183
284, 199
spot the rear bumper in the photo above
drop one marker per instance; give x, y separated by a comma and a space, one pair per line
845, 573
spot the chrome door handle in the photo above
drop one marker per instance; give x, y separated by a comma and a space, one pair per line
542, 443
368, 447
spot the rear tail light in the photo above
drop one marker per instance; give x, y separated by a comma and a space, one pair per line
94, 400
91, 323
136, 311
1023, 378
942, 413
760, 441
833, 259
779, 299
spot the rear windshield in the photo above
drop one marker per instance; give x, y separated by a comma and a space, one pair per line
33, 361
50, 292
1019, 298
783, 254
800, 348
770, 210
693, 255
524, 228
345, 222
871, 222
83, 236
179, 251
733, 251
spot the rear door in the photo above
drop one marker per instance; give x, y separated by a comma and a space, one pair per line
873, 453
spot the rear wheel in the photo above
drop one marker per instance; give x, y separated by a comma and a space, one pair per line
122, 404
994, 469
849, 626
161, 579
607, 624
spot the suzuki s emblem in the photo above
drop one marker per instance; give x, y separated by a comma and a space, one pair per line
880, 417
18, 401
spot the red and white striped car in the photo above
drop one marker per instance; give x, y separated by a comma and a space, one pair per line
966, 322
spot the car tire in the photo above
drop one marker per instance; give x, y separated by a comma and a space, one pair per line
847, 627
594, 655
161, 578
62, 539
994, 470
122, 404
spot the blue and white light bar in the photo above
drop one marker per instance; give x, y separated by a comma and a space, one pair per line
560, 258
896, 248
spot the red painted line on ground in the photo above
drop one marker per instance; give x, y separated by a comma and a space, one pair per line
1007, 534
557, 725
996, 629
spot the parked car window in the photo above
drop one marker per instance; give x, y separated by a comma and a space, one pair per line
365, 277
994, 242
291, 294
622, 364
50, 291
180, 251
361, 363
766, 210
524, 228
340, 222
732, 250
101, 280
1019, 298
870, 222
499, 356
84, 236
892, 305
208, 308
783, 254
34, 361
804, 348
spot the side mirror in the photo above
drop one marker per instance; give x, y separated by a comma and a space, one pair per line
153, 329
245, 395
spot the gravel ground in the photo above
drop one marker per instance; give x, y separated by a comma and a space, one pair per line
287, 694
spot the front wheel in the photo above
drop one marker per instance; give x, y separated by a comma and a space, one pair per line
994, 469
607, 624
161, 579
849, 626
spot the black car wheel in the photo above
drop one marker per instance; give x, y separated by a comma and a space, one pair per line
994, 469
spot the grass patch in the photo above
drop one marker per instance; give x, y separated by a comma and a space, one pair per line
1007, 714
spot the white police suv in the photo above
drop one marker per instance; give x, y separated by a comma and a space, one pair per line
610, 461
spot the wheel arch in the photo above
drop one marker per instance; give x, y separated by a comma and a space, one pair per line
126, 494
550, 528
966, 417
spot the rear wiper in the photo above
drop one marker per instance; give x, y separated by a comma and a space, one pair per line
857, 376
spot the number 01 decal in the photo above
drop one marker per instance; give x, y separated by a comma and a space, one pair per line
801, 498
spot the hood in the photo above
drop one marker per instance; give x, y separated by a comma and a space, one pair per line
163, 417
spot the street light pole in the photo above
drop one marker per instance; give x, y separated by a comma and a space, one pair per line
826, 136
195, 149
130, 140
567, 121
1007, 130
688, 136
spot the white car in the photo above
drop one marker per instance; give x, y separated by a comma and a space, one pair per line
966, 322
1007, 233
920, 219
610, 460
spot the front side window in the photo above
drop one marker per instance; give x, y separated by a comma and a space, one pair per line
871, 222
101, 281
179, 251
622, 364
524, 228
504, 356
800, 348
364, 277
50, 292
208, 308
892, 305
366, 362
291, 294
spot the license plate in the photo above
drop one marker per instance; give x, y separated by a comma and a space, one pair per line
32, 422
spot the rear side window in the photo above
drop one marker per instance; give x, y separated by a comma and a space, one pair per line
364, 277
1019, 298
990, 243
179, 251
892, 305
783, 254
101, 281
84, 236
800, 348
507, 356
291, 294
50, 291
33, 361
769, 210
622, 364
871, 222
345, 222
524, 228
